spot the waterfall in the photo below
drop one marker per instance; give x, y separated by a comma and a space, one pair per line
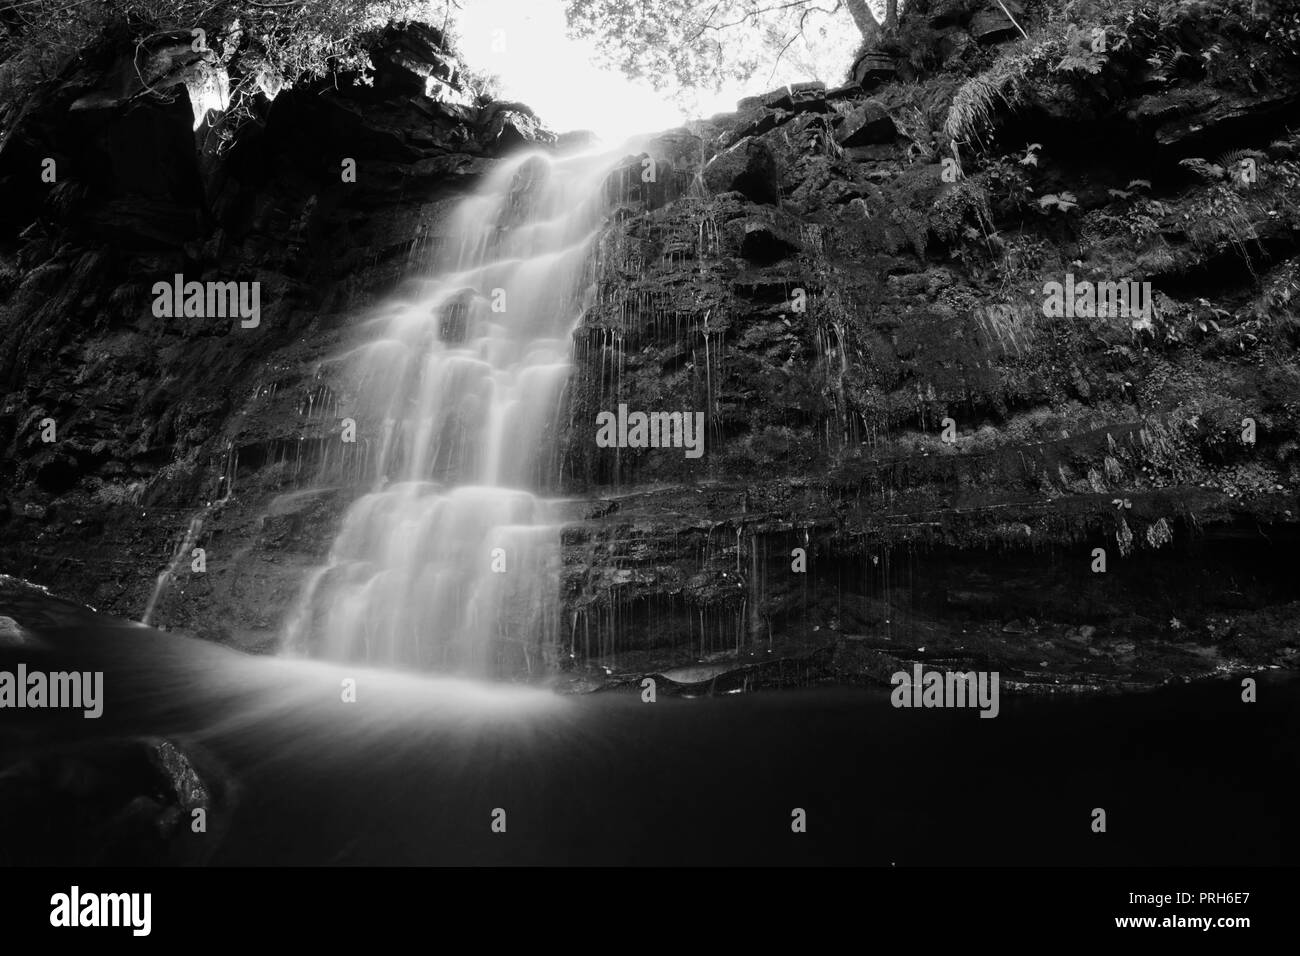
450, 561
182, 551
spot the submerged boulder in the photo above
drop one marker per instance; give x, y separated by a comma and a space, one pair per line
11, 634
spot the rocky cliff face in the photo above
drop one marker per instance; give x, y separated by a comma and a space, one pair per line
853, 285
909, 454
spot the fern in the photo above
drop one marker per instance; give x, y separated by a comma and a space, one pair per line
1241, 166
1063, 201
1076, 62
974, 105
1080, 56
1031, 155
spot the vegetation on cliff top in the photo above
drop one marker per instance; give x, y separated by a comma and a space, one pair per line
266, 43
678, 47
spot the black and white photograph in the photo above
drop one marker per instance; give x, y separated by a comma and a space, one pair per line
643, 434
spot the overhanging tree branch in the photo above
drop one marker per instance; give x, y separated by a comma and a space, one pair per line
696, 35
798, 33
754, 13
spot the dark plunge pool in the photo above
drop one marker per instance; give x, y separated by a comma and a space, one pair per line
416, 770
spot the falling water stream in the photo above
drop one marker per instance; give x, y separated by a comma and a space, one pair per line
450, 560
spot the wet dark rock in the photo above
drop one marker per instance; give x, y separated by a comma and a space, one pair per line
509, 126
187, 789
867, 124
991, 24
1210, 120
794, 98
872, 69
755, 122
748, 167
764, 243
677, 149
414, 59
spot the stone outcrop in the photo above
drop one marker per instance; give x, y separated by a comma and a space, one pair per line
831, 510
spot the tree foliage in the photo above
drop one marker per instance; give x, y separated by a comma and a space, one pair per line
685, 46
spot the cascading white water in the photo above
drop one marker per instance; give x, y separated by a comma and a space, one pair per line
451, 561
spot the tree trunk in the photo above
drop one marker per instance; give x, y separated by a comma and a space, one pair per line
891, 14
866, 23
